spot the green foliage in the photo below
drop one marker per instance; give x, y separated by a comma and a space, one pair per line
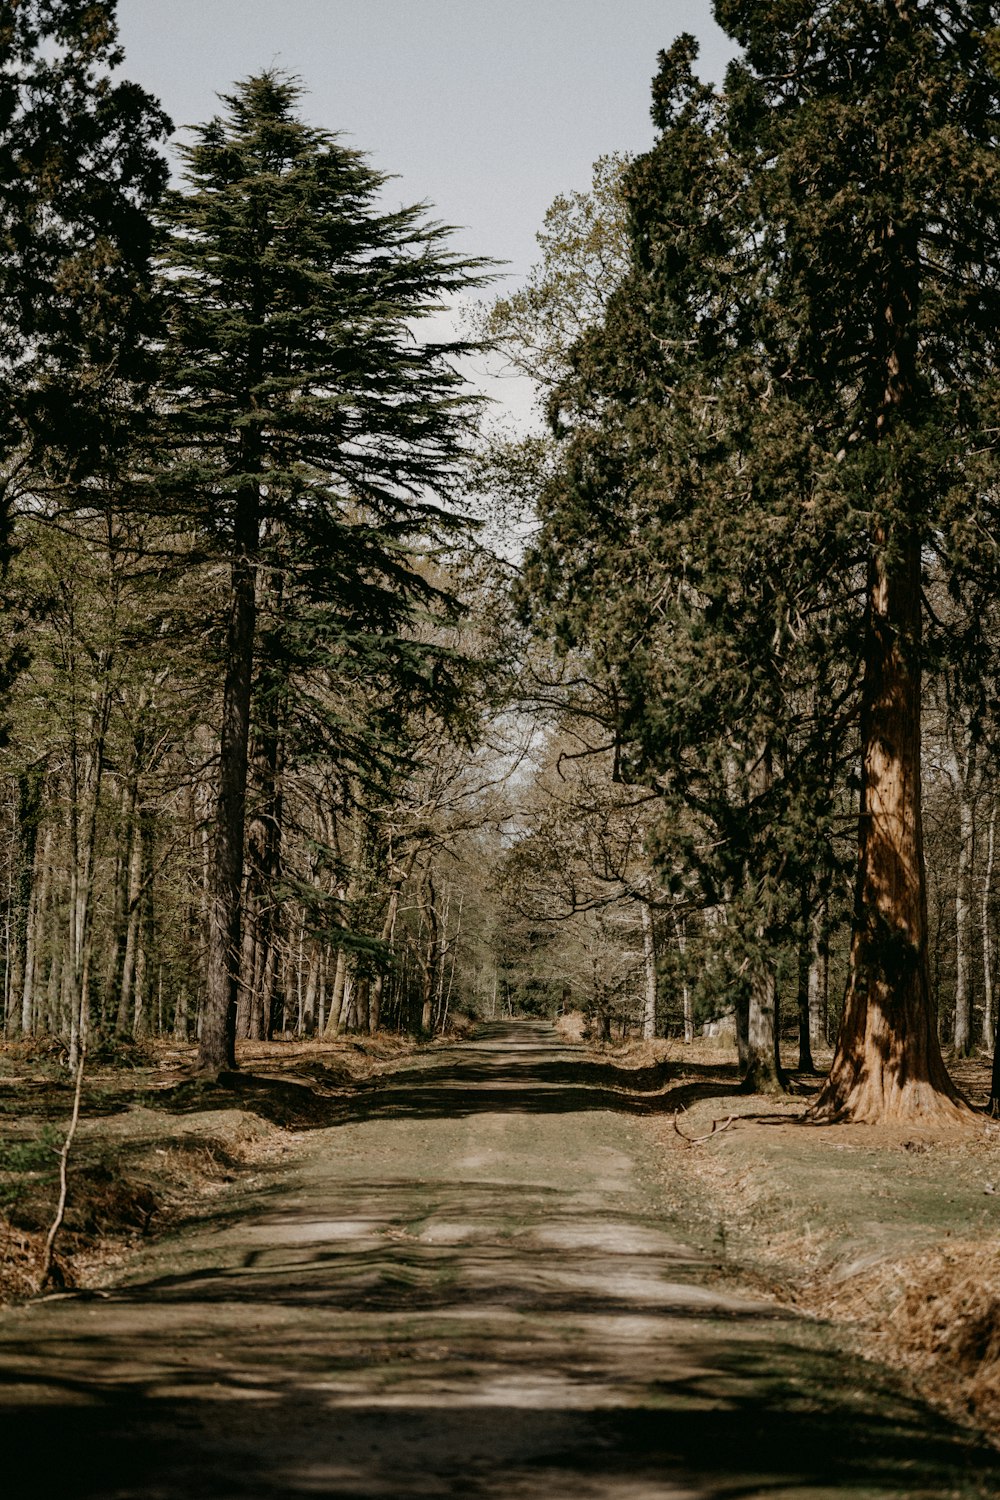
30, 1156
585, 252
81, 168
309, 428
723, 452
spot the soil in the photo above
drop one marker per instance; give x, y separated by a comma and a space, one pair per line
486, 1269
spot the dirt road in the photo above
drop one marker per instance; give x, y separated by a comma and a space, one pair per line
469, 1288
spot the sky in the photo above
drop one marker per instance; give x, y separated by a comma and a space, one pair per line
486, 108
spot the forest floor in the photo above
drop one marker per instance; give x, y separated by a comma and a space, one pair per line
490, 1268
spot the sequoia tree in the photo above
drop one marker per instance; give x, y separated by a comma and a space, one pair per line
790, 407
870, 137
313, 432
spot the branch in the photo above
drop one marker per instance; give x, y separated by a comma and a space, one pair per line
696, 1140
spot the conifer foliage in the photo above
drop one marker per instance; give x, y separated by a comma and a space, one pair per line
312, 433
870, 134
786, 416
81, 168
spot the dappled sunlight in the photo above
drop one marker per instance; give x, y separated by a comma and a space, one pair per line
481, 1298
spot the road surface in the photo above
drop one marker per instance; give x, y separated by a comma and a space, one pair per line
469, 1288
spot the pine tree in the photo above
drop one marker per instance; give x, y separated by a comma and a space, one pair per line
313, 434
80, 172
789, 407
672, 552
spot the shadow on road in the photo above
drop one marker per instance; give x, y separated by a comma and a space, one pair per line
771, 1437
492, 1311
508, 1067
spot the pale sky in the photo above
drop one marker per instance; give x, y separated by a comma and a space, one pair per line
487, 108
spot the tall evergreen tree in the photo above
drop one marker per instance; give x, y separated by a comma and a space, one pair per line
790, 404
869, 132
80, 171
673, 549
313, 433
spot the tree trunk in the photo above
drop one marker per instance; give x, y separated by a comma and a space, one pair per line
307, 1020
36, 918
431, 961
806, 1064
83, 843
687, 1009
30, 786
142, 1016
649, 966
217, 1048
888, 1063
741, 1015
989, 1018
263, 858
963, 773
819, 980
337, 994
126, 986
762, 1070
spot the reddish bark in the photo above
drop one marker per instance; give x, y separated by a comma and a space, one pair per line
888, 1064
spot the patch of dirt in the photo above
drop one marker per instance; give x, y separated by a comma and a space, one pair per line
892, 1230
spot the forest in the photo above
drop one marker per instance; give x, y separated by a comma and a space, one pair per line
512, 904
334, 705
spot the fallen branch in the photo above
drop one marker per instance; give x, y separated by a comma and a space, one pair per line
63, 1155
696, 1140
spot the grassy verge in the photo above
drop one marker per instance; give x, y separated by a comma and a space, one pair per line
892, 1231
155, 1146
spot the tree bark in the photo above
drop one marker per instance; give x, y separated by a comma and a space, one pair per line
649, 966
963, 914
259, 966
337, 993
217, 1047
803, 996
30, 787
142, 1017
126, 984
819, 980
430, 962
762, 1072
989, 1018
687, 1008
888, 1064
36, 919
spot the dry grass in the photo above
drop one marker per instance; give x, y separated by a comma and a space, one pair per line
938, 1312
155, 1145
890, 1231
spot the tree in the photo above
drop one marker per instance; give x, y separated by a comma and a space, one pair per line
787, 407
875, 197
80, 171
313, 434
672, 550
